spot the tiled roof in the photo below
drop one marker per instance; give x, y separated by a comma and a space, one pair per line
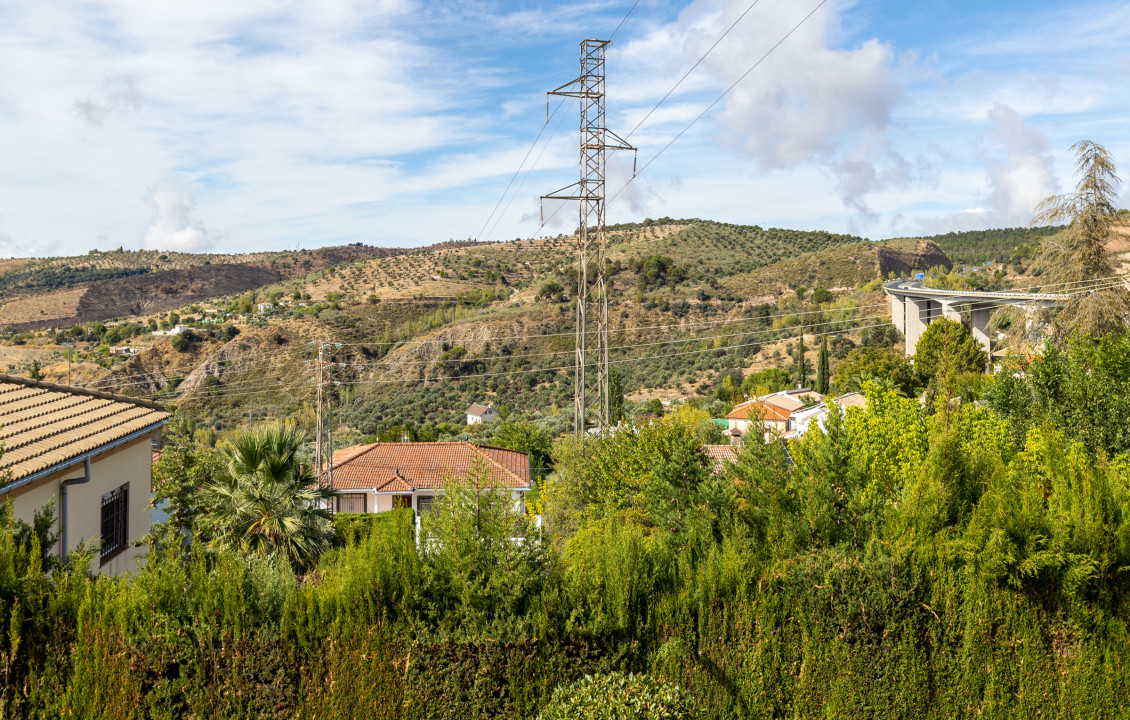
394, 484
788, 403
757, 410
721, 455
852, 399
43, 424
477, 409
423, 466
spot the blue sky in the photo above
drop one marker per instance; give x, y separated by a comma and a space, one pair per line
275, 124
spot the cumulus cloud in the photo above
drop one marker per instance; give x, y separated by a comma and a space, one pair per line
809, 102
1020, 169
1019, 173
173, 227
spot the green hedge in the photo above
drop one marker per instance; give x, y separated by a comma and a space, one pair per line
355, 527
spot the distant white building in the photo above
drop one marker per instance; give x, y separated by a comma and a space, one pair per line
265, 308
481, 414
176, 330
803, 420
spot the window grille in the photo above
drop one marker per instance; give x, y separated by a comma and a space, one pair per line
351, 503
115, 523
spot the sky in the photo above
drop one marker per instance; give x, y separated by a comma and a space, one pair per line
277, 124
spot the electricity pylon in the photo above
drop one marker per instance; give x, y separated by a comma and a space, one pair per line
591, 361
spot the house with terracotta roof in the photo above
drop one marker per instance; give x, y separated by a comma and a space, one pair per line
89, 451
759, 416
383, 476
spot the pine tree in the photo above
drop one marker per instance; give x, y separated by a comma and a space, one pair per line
1081, 255
822, 367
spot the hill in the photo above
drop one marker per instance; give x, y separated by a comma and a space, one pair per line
55, 292
423, 333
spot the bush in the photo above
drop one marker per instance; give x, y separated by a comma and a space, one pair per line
180, 342
619, 696
357, 527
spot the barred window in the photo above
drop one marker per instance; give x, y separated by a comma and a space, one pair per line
351, 503
115, 522
424, 504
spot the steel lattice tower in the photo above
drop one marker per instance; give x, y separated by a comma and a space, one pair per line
591, 361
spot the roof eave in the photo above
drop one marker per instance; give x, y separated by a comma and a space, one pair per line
82, 457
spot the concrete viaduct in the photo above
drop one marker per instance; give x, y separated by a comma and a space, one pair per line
914, 306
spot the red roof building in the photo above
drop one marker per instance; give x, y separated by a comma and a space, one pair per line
382, 476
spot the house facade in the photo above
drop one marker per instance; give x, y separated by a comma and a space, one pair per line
778, 414
481, 414
384, 476
90, 452
757, 416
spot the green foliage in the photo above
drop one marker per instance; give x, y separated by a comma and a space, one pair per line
946, 349
619, 696
263, 500
1081, 389
823, 381
180, 342
552, 291
656, 270
355, 528
766, 381
881, 365
528, 438
821, 296
475, 578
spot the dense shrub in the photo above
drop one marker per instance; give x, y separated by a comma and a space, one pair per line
619, 696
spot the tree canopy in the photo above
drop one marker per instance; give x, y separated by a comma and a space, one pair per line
947, 347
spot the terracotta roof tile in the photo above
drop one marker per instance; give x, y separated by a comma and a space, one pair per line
395, 484
43, 424
424, 466
757, 410
721, 455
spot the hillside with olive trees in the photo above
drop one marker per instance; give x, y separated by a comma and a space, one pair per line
417, 335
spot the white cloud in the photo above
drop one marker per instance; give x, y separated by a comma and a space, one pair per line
1020, 170
173, 227
809, 102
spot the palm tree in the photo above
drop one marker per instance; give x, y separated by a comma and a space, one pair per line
264, 502
1092, 215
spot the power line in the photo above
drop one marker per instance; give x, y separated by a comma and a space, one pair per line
623, 20
692, 68
519, 169
709, 107
719, 99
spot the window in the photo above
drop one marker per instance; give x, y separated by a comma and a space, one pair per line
115, 523
351, 503
424, 504
401, 501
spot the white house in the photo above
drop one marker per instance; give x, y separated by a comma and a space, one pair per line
176, 330
481, 414
383, 476
804, 419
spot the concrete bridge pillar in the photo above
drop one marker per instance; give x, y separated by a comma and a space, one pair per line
919, 313
980, 329
898, 313
950, 310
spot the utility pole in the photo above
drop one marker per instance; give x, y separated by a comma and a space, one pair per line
591, 361
323, 439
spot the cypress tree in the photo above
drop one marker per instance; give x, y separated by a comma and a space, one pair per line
800, 366
822, 368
